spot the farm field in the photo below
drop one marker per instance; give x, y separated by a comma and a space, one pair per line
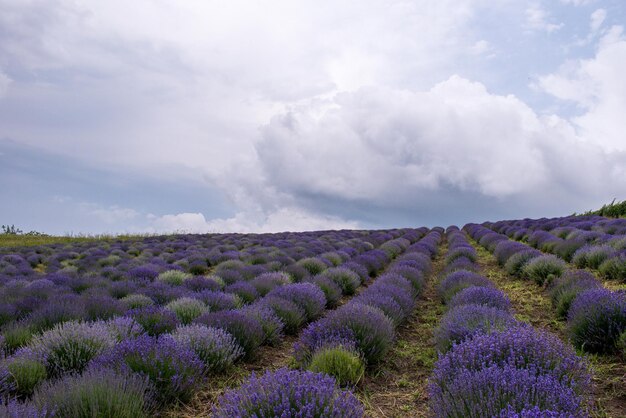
520, 318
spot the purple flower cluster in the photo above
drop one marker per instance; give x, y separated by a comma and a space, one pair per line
586, 241
289, 393
596, 319
368, 321
174, 368
492, 365
595, 316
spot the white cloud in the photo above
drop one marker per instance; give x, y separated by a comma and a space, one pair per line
598, 87
537, 18
577, 2
112, 214
343, 91
284, 219
480, 47
597, 19
387, 147
5, 81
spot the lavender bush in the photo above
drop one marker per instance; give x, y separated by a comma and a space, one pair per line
272, 326
174, 369
614, 268
596, 319
154, 320
373, 331
98, 393
465, 321
288, 393
489, 391
344, 363
245, 329
187, 309
307, 296
479, 295
332, 291
568, 286
291, 315
459, 280
215, 347
69, 346
521, 347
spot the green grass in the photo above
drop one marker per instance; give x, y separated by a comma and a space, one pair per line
612, 210
14, 240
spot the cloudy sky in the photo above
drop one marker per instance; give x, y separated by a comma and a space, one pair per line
244, 115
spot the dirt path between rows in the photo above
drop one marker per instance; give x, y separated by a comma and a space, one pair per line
397, 388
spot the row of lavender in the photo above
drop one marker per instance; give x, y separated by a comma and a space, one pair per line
491, 365
338, 348
33, 302
596, 317
587, 241
152, 354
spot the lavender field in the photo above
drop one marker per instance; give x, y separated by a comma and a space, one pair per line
521, 318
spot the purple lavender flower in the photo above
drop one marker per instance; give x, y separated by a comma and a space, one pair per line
69, 346
489, 391
291, 315
480, 295
614, 268
307, 296
543, 269
162, 293
534, 412
521, 347
215, 347
102, 307
568, 286
319, 334
123, 327
16, 409
412, 274
62, 308
466, 251
459, 280
592, 256
516, 263
505, 249
345, 278
265, 282
98, 392
388, 305
358, 269
145, 273
246, 291
373, 330
491, 240
244, 328
173, 368
200, 283
332, 291
273, 327
289, 393
154, 320
465, 321
596, 319
217, 300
